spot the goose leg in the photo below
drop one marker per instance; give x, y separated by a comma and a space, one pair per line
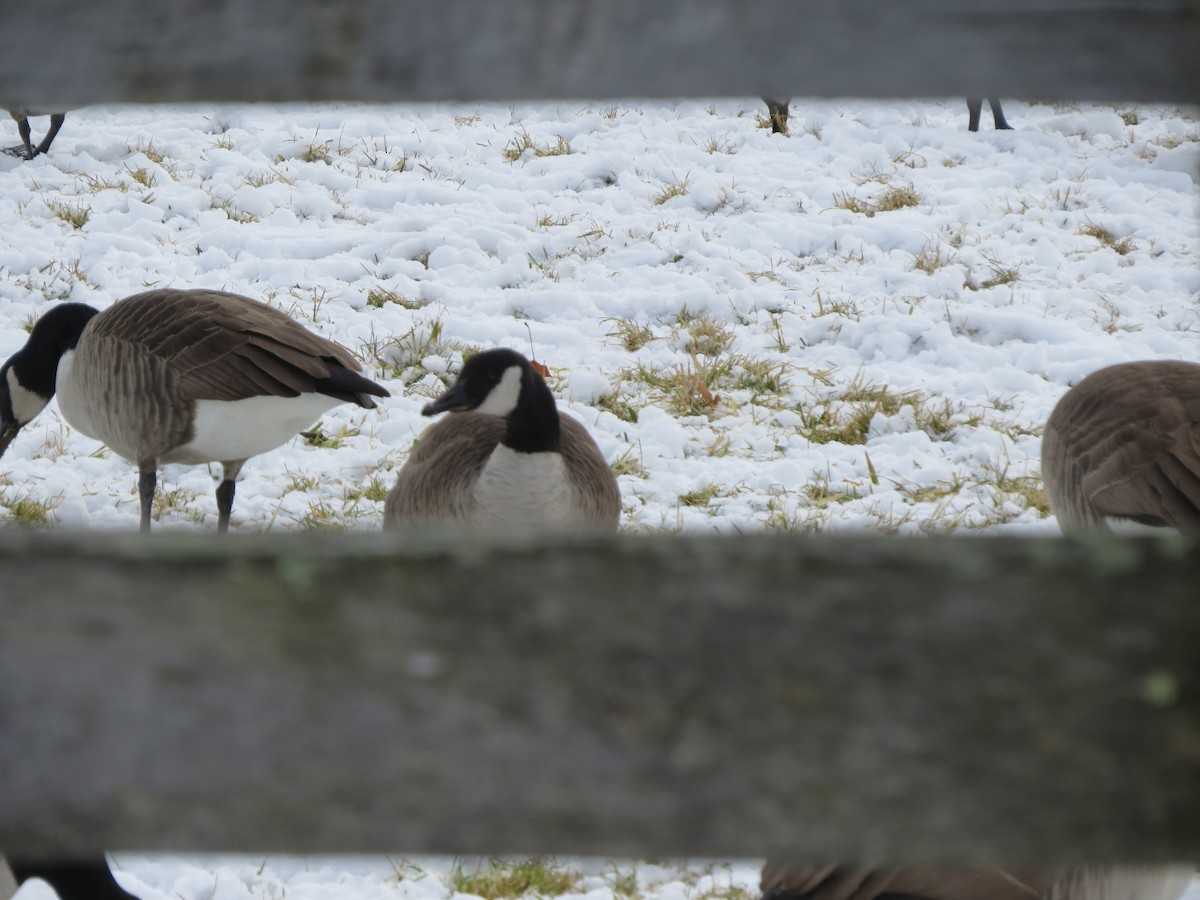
147, 478
56, 122
974, 107
998, 115
225, 491
24, 150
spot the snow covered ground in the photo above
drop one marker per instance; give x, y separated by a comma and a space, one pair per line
862, 325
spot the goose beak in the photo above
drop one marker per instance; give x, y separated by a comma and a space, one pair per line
7, 433
454, 400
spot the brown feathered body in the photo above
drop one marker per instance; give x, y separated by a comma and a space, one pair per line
197, 376
438, 481
1096, 882
1125, 443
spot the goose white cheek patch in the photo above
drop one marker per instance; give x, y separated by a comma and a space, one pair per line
25, 403
502, 399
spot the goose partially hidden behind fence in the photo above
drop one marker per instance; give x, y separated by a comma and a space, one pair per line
1123, 445
180, 376
504, 457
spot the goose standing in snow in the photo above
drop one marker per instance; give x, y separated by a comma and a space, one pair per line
1124, 444
26, 149
504, 457
180, 376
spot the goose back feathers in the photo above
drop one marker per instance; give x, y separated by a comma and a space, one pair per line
504, 457
1124, 443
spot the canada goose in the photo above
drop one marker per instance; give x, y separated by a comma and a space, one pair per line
1091, 882
180, 376
1124, 444
26, 150
504, 457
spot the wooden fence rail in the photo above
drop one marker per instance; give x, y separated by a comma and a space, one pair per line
862, 697
63, 52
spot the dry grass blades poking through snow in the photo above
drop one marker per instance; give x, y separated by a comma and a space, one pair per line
862, 324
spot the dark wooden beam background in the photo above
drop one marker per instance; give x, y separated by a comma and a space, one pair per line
862, 697
66, 52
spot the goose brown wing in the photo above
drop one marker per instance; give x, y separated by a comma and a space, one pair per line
221, 346
594, 491
1145, 460
437, 480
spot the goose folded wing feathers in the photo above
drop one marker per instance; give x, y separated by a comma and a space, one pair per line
1149, 470
594, 492
222, 347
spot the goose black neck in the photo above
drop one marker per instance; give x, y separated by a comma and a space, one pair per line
55, 333
533, 426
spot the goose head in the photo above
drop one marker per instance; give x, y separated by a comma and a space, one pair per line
27, 379
502, 383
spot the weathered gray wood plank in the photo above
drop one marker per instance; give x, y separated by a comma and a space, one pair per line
78, 51
849, 698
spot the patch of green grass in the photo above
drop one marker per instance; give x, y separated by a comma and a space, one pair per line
932, 257
378, 297
629, 463
499, 879
322, 516
763, 378
845, 418
315, 152
671, 190
374, 490
75, 215
1120, 246
1026, 490
720, 145
624, 884
143, 176
523, 143
690, 388
173, 501
235, 215
895, 197
297, 481
700, 497
632, 335
318, 437
846, 307
1000, 275
620, 403
707, 335
147, 148
900, 197
23, 510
